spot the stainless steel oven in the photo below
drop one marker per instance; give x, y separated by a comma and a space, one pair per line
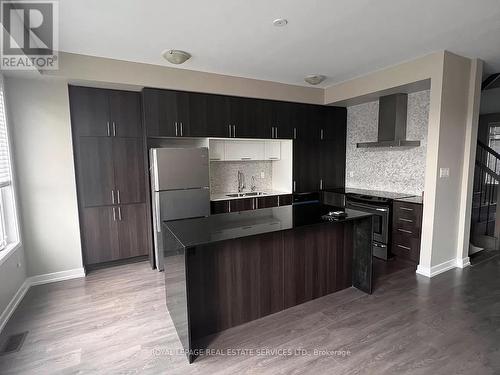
381, 211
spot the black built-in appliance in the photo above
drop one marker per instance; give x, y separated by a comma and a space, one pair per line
379, 204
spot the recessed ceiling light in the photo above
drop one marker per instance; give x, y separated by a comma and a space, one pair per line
314, 79
175, 56
280, 22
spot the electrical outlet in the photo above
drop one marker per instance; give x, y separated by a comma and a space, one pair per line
351, 174
444, 172
262, 174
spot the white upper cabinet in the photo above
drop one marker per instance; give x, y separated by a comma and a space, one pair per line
244, 150
241, 150
272, 150
216, 150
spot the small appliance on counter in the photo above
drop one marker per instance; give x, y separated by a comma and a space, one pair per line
334, 215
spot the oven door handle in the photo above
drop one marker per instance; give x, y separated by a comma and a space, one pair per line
367, 207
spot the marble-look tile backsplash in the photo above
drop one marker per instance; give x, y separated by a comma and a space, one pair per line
399, 170
224, 175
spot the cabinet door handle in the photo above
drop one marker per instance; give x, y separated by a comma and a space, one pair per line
406, 220
278, 200
176, 134
405, 231
182, 129
272, 131
118, 196
294, 133
114, 129
294, 186
228, 206
404, 247
109, 131
405, 208
234, 131
273, 158
321, 134
114, 214
112, 196
246, 158
229, 126
276, 132
321, 184
253, 204
120, 213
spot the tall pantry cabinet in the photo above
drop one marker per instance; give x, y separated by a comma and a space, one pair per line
111, 176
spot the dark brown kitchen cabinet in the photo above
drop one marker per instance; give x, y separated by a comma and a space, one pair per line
324, 268
132, 230
125, 111
306, 176
266, 201
319, 148
219, 207
332, 148
333, 120
114, 232
99, 234
94, 167
282, 120
249, 118
105, 113
129, 170
406, 230
111, 174
90, 111
166, 113
245, 204
208, 116
285, 200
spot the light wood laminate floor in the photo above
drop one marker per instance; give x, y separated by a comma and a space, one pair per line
115, 322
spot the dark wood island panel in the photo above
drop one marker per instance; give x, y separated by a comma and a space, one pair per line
229, 269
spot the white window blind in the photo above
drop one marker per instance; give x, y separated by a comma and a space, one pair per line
5, 170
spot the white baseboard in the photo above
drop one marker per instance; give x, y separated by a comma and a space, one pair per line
57, 276
443, 267
14, 302
464, 262
36, 280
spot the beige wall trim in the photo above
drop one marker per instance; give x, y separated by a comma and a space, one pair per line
408, 73
81, 69
473, 105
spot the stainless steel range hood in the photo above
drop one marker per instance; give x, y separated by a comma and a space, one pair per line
391, 123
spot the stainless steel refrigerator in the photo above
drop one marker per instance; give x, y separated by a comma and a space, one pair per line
180, 188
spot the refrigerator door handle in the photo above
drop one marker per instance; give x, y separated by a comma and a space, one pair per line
157, 213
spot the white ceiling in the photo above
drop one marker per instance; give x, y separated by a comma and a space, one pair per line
341, 39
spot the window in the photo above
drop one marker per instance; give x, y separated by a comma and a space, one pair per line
8, 217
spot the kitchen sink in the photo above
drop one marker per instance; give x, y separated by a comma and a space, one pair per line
242, 195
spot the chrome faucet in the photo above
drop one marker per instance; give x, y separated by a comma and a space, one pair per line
241, 181
253, 186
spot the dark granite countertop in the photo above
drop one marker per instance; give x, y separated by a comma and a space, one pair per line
415, 199
194, 232
374, 193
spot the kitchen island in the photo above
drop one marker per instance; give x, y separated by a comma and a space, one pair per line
228, 269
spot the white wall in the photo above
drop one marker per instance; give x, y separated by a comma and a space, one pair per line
42, 149
12, 276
